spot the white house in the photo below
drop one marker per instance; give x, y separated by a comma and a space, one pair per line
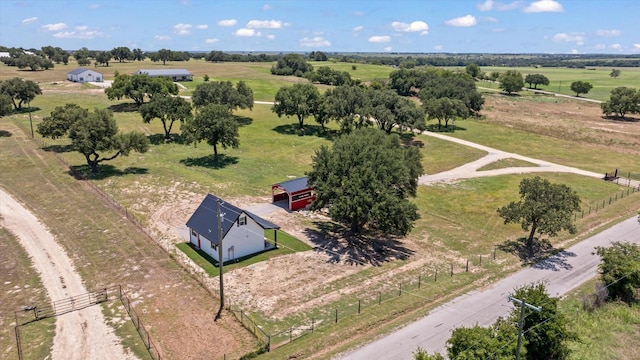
84, 75
174, 74
242, 231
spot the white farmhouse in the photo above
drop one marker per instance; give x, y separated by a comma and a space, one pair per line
242, 231
84, 75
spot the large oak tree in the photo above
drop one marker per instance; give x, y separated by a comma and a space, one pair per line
365, 180
299, 100
168, 109
214, 124
223, 93
19, 91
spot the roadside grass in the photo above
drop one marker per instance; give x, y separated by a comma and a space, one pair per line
507, 163
610, 332
287, 244
21, 286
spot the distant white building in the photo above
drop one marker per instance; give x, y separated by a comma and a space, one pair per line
4, 54
84, 75
174, 74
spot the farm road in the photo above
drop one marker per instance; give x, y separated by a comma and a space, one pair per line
470, 170
80, 334
562, 273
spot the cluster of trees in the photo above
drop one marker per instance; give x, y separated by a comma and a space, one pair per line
138, 86
328, 76
15, 92
30, 61
291, 64
350, 106
536, 79
95, 133
622, 101
581, 87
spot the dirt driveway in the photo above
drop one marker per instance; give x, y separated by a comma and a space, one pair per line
80, 334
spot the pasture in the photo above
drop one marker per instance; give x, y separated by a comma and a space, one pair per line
163, 186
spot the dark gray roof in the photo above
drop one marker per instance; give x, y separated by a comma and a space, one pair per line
295, 185
205, 219
78, 71
165, 72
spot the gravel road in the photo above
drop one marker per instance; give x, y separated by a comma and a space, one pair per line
80, 334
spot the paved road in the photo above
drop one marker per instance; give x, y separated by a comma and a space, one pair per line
562, 273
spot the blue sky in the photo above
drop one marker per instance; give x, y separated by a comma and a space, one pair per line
456, 26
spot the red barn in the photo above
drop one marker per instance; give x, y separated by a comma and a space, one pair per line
297, 192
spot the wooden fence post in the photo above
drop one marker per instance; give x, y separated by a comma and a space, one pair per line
451, 269
419, 280
435, 276
358, 306
467, 267
336, 315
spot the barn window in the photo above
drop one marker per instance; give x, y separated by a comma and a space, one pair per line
242, 220
193, 233
214, 246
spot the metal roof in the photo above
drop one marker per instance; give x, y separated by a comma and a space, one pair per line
165, 72
79, 71
205, 219
295, 185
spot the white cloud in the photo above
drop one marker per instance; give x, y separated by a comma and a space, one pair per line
247, 32
577, 38
637, 46
267, 7
358, 28
574, 51
30, 20
227, 22
182, 29
81, 28
202, 27
463, 21
600, 46
498, 30
316, 41
94, 6
162, 37
544, 6
616, 46
265, 24
438, 47
270, 37
415, 26
609, 33
78, 35
211, 41
55, 27
358, 13
489, 19
486, 6
379, 39
388, 48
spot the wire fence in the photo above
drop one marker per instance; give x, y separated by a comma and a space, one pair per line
600, 205
142, 330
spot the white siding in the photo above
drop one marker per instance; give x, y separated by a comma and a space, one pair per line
85, 76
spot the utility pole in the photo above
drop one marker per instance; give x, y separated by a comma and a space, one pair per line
522, 303
220, 260
30, 121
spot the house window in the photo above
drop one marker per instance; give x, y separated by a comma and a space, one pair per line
214, 246
193, 233
81, 79
242, 220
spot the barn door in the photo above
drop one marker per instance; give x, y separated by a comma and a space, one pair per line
231, 253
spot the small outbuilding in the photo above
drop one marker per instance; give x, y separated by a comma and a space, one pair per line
174, 74
242, 231
84, 75
296, 192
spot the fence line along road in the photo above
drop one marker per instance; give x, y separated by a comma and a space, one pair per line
562, 273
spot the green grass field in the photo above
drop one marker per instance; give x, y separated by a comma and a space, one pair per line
458, 221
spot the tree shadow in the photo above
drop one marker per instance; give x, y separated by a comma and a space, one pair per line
626, 118
313, 130
243, 120
556, 262
541, 248
355, 249
124, 107
58, 148
5, 133
409, 139
28, 109
83, 172
158, 139
444, 129
208, 161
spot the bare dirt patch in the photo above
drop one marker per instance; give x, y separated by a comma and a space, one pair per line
565, 119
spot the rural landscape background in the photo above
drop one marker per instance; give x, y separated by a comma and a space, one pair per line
323, 292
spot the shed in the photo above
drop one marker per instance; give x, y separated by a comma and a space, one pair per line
242, 231
297, 193
174, 74
84, 75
